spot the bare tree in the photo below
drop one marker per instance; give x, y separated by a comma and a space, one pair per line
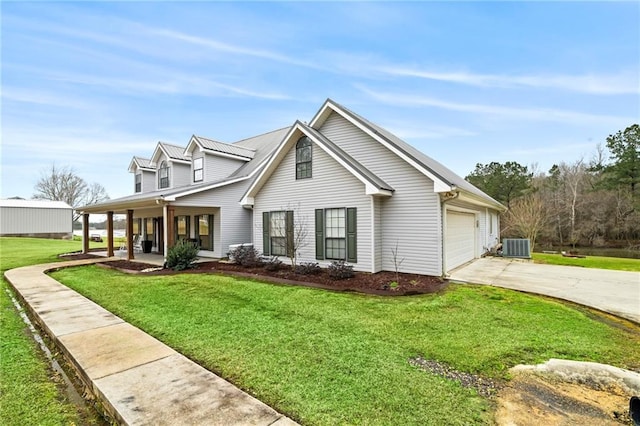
526, 217
292, 230
62, 184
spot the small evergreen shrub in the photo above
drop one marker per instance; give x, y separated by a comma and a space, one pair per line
246, 256
340, 270
182, 255
308, 268
274, 264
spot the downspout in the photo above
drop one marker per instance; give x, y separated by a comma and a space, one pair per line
446, 197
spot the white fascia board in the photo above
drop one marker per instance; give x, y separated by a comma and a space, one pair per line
474, 199
369, 188
157, 152
175, 160
438, 184
226, 155
267, 170
193, 142
205, 188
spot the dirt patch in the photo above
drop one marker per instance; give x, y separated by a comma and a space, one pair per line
381, 283
484, 386
531, 398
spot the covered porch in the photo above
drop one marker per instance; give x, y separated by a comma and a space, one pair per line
153, 225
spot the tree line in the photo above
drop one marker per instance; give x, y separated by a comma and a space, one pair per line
584, 203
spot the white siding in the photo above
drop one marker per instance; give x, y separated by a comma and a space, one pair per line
148, 181
411, 217
330, 186
232, 222
216, 167
486, 239
34, 221
180, 175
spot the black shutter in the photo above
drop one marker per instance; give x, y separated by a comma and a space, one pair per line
352, 237
266, 222
319, 234
288, 233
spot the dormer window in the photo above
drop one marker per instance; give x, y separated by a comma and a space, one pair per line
139, 182
163, 175
198, 169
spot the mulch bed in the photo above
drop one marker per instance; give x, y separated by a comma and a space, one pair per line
379, 283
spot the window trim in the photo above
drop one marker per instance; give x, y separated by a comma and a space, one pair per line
163, 182
198, 169
187, 227
138, 182
209, 236
304, 143
351, 236
267, 238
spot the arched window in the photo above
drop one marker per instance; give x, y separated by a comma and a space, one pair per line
163, 175
303, 158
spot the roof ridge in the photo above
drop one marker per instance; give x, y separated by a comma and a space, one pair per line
261, 134
225, 143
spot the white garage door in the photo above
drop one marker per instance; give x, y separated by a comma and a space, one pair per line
460, 238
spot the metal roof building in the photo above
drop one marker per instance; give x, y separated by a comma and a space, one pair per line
35, 218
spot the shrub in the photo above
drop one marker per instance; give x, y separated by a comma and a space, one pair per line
274, 264
340, 270
246, 256
182, 255
308, 268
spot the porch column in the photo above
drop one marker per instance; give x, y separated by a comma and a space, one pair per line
168, 227
129, 234
85, 233
109, 234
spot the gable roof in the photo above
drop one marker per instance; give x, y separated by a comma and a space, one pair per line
141, 163
263, 145
373, 184
35, 204
445, 180
219, 148
173, 153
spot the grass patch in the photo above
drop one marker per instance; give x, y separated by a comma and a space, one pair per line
28, 395
330, 358
601, 262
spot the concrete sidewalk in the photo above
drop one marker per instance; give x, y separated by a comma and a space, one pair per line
616, 292
138, 379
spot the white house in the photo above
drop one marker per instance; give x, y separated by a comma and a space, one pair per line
357, 191
35, 218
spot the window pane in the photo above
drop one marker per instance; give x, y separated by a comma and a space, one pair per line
278, 247
149, 226
336, 248
197, 163
197, 175
278, 223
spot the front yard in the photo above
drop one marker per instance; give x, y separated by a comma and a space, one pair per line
320, 357
339, 358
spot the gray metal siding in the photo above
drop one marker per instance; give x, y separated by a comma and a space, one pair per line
411, 217
27, 220
330, 186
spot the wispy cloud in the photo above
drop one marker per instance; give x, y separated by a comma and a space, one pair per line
41, 97
622, 83
535, 114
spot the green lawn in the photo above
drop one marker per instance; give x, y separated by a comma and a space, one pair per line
328, 358
28, 395
616, 263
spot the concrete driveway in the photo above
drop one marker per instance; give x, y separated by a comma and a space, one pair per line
616, 292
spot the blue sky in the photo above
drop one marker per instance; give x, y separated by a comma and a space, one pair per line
91, 84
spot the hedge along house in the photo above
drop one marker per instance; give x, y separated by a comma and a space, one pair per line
360, 193
190, 193
36, 218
